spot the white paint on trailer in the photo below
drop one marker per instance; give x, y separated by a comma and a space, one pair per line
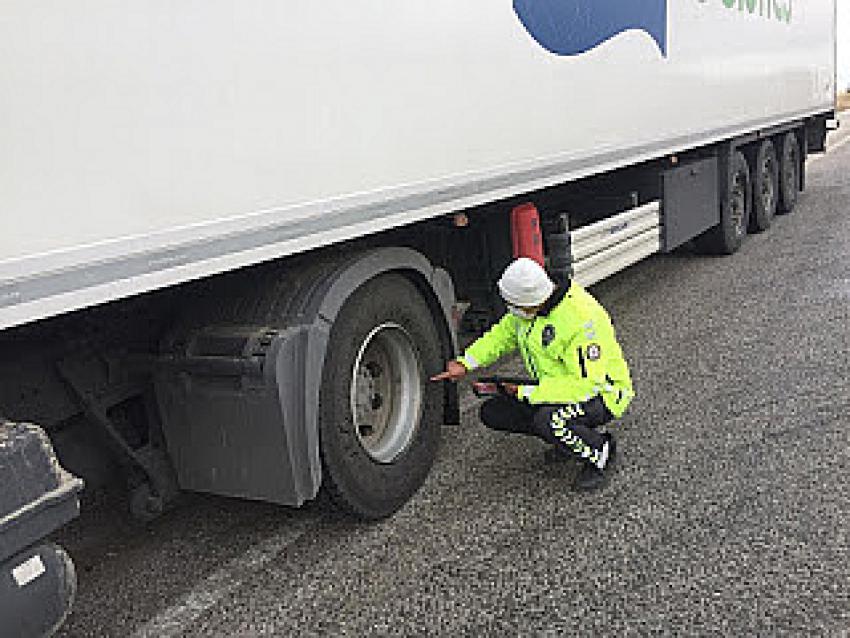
133, 129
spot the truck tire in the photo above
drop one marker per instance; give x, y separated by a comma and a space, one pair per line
379, 417
765, 187
726, 238
789, 173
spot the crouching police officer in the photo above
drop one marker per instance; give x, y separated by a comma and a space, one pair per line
569, 348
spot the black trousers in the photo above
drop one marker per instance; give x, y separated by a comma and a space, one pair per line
572, 425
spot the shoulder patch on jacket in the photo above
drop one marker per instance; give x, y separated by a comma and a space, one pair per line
548, 335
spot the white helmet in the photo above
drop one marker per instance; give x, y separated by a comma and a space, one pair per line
524, 283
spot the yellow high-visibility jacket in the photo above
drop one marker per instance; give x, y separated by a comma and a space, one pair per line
570, 348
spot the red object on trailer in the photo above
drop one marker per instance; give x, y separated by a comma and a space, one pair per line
526, 235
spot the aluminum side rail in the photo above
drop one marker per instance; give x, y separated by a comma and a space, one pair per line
613, 244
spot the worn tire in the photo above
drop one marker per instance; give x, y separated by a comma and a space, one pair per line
352, 479
765, 178
789, 173
726, 238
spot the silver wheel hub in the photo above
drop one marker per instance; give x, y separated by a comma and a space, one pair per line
386, 392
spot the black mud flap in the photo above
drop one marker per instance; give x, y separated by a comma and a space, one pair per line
232, 400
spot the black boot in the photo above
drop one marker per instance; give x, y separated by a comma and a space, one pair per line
590, 477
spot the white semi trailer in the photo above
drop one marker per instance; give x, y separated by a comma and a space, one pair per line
238, 236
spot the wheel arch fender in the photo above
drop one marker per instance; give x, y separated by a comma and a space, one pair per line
273, 383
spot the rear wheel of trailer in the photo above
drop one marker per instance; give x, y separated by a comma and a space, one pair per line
765, 175
789, 172
380, 418
728, 236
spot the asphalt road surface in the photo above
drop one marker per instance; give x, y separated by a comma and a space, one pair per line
728, 513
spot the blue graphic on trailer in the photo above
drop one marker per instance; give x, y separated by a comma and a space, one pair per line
571, 27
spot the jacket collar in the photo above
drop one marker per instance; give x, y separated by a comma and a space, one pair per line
556, 298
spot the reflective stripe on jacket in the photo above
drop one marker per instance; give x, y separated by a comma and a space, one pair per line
570, 348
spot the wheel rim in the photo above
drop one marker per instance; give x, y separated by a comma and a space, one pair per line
738, 203
768, 188
386, 392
